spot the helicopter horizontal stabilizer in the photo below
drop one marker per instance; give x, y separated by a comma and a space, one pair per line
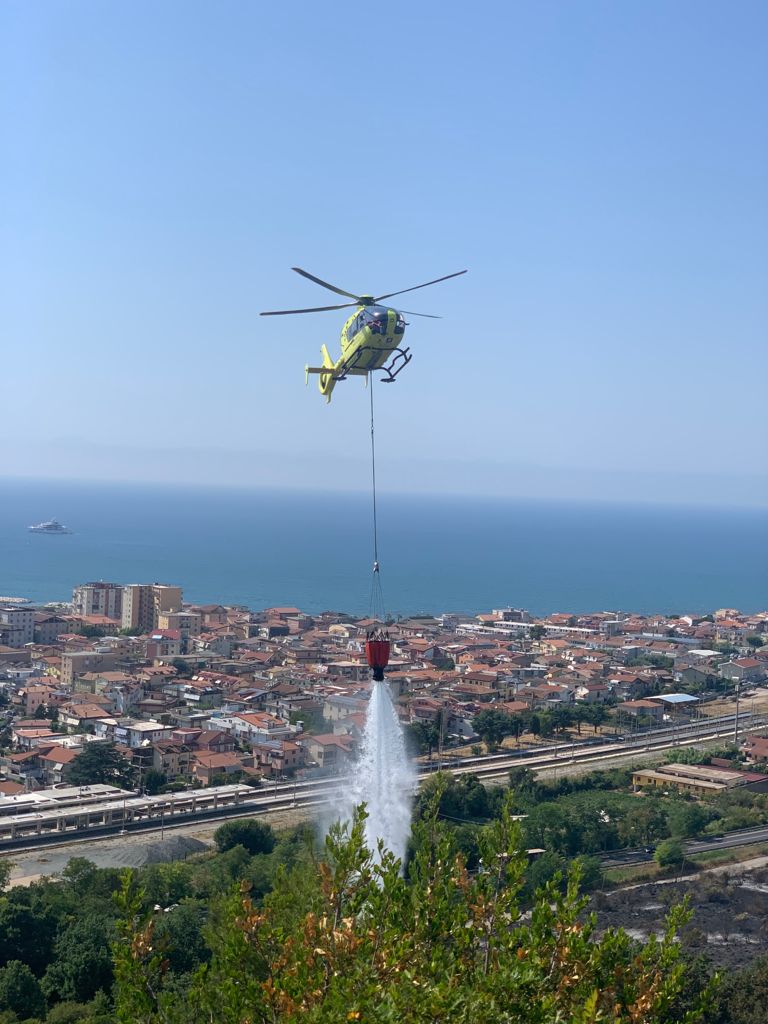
336, 374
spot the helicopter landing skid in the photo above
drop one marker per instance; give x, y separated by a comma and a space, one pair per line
400, 359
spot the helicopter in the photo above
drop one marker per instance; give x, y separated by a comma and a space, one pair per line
371, 339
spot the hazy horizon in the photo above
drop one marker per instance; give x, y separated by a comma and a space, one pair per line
616, 496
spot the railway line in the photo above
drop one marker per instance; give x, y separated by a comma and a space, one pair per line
141, 814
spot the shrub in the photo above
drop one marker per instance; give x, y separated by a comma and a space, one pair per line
255, 836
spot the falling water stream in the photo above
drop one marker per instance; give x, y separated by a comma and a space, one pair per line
384, 777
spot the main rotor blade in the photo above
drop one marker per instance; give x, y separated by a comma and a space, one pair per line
417, 286
324, 284
411, 313
314, 309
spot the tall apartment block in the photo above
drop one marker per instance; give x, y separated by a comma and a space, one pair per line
143, 603
98, 599
17, 626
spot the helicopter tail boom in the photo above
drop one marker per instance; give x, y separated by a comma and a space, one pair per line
327, 379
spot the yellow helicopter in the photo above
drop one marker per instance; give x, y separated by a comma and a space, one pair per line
371, 339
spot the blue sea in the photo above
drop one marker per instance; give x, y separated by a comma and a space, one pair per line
314, 550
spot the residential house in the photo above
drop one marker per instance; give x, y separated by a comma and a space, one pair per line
75, 663
642, 709
205, 767
330, 752
593, 693
744, 670
213, 741
340, 705
255, 726
48, 627
278, 758
756, 748
81, 715
163, 643
57, 763
172, 758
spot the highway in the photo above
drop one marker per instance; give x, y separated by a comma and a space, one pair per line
727, 841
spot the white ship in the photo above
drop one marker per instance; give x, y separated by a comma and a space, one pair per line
52, 526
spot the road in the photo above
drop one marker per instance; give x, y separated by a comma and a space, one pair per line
727, 841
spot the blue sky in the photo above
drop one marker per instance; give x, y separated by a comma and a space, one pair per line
600, 168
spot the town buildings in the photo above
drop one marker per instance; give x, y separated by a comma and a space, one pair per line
197, 694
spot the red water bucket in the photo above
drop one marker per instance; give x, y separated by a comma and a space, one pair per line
377, 653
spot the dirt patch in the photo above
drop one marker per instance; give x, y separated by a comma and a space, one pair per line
124, 852
135, 851
730, 913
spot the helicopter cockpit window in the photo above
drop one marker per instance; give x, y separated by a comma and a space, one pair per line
400, 324
378, 321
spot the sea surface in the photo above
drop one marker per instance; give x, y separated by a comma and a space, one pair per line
314, 550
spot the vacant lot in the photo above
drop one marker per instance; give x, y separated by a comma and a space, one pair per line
730, 913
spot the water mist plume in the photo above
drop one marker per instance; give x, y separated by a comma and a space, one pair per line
384, 778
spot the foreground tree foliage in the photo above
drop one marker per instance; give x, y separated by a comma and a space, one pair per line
347, 936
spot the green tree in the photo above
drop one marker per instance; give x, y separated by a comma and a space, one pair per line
423, 736
82, 963
154, 781
744, 995
101, 762
550, 827
523, 782
312, 721
643, 822
27, 929
595, 714
20, 991
517, 725
180, 934
757, 641
562, 718
687, 819
536, 632
255, 836
492, 726
670, 854
546, 724
461, 799
684, 755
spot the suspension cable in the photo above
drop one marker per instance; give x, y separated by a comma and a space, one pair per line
377, 596
373, 484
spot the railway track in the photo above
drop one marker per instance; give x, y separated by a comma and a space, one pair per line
324, 792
